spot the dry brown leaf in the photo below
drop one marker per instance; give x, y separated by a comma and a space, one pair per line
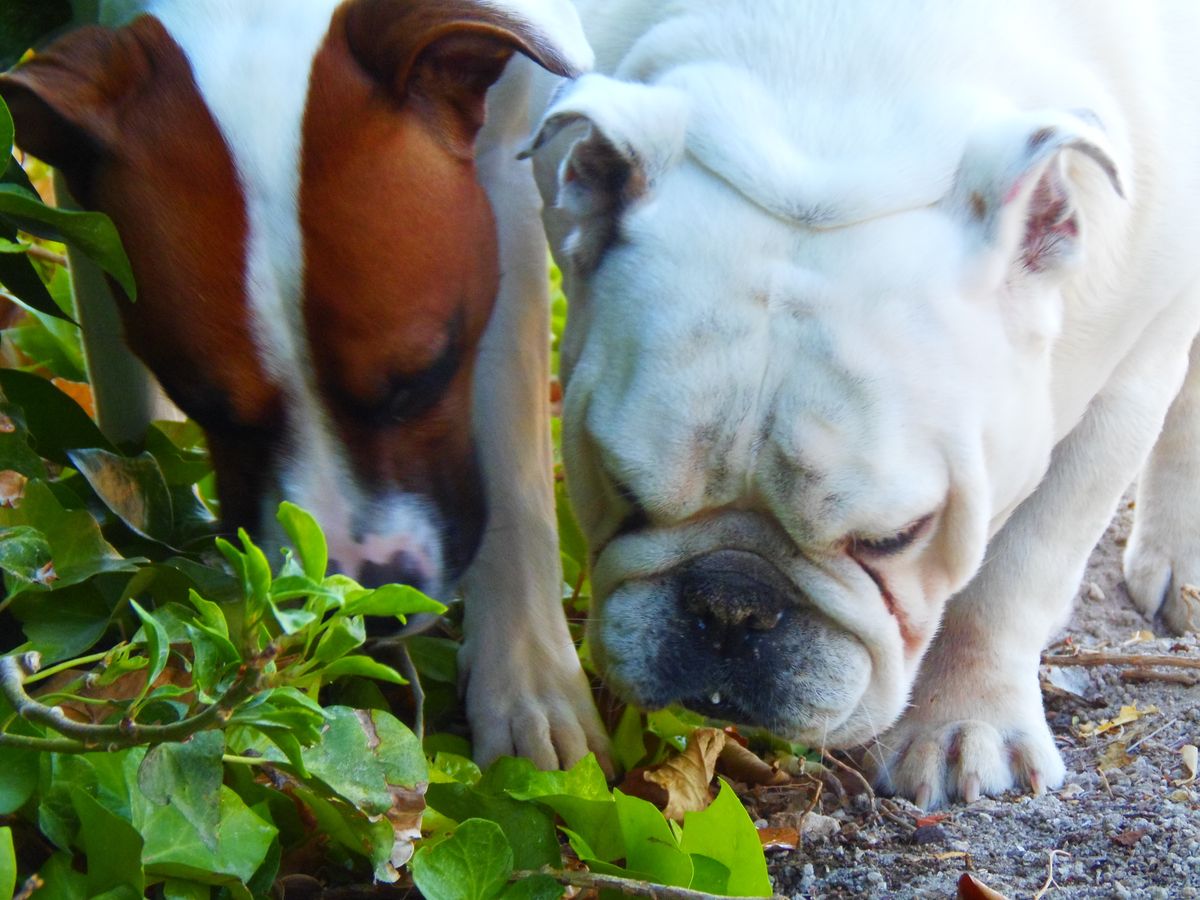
933, 819
779, 838
686, 776
1115, 756
12, 488
1127, 715
971, 888
1130, 837
951, 854
1191, 762
742, 764
1139, 637
78, 391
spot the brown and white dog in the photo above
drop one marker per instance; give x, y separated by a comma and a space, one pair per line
319, 238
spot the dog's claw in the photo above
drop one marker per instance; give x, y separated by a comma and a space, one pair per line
971, 789
924, 796
1037, 784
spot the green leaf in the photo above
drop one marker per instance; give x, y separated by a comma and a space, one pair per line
18, 778
113, 847
361, 753
15, 450
8, 863
22, 24
346, 633
435, 658
174, 889
188, 777
7, 130
362, 666
132, 487
158, 646
24, 551
725, 833
62, 882
398, 600
64, 623
20, 276
92, 233
292, 621
174, 848
629, 739
528, 829
305, 535
539, 887
651, 848
214, 658
472, 864
57, 421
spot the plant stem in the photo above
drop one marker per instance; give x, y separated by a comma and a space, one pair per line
42, 674
128, 733
628, 886
44, 745
246, 760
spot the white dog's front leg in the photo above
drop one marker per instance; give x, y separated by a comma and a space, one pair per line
976, 724
526, 692
1162, 558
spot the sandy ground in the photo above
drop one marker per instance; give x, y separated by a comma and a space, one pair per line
1122, 826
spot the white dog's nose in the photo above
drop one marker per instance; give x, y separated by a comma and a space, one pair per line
733, 595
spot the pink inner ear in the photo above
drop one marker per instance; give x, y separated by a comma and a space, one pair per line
1050, 223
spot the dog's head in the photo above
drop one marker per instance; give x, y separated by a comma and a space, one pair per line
800, 396
295, 186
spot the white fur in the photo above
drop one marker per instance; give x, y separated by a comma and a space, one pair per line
815, 323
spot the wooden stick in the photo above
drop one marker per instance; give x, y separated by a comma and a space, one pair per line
1120, 659
628, 886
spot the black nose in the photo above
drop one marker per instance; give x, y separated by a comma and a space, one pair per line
400, 568
732, 596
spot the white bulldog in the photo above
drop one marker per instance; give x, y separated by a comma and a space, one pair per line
877, 309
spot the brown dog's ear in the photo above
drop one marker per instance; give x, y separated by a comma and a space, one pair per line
66, 100
443, 55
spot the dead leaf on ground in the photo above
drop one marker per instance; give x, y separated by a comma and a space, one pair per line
742, 764
1115, 756
1139, 637
681, 783
933, 819
779, 838
1126, 716
1130, 837
12, 488
971, 888
1191, 763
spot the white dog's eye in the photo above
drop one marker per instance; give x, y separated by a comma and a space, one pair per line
893, 544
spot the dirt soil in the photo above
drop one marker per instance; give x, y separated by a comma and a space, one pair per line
1125, 824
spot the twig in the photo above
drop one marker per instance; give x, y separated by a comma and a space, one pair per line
1146, 737
409, 669
1050, 882
1139, 675
127, 733
628, 886
1120, 659
32, 884
876, 806
39, 252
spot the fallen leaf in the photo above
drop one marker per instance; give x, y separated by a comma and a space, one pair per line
1127, 715
1130, 837
742, 764
1180, 795
1139, 637
681, 783
951, 854
79, 391
932, 820
779, 838
12, 488
1115, 756
1191, 762
971, 888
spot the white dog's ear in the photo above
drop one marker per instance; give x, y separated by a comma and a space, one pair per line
1015, 185
629, 135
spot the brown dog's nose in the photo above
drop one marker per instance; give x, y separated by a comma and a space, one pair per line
399, 568
733, 594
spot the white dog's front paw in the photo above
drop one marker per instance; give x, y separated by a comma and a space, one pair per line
933, 761
531, 701
1162, 573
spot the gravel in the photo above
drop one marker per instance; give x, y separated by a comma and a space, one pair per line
1123, 825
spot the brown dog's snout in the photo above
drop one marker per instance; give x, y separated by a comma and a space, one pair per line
732, 594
